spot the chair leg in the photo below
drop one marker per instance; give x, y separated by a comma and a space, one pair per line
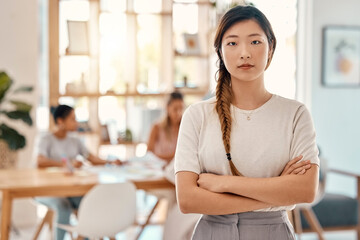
147, 219
297, 222
15, 229
48, 218
313, 222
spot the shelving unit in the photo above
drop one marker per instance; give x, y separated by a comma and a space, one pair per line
134, 61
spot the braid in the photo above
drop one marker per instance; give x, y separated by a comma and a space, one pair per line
223, 100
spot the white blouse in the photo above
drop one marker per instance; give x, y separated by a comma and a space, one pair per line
262, 141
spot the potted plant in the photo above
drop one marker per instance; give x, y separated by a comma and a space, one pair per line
13, 109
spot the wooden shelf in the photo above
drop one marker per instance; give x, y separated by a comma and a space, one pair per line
77, 55
167, 72
148, 13
190, 91
191, 55
197, 3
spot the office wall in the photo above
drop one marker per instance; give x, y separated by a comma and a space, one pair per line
336, 111
19, 47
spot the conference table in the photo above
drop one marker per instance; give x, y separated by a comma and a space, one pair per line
55, 182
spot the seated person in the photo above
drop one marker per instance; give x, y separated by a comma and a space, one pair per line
163, 135
162, 143
53, 147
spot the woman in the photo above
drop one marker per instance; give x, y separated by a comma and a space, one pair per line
162, 143
53, 149
163, 135
232, 158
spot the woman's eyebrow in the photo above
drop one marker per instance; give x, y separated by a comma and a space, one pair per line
231, 36
255, 35
250, 35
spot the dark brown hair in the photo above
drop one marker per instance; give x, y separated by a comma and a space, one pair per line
223, 88
61, 111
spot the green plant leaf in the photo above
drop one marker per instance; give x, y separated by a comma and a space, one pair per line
21, 106
25, 116
24, 89
14, 139
5, 84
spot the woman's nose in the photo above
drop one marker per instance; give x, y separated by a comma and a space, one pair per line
244, 52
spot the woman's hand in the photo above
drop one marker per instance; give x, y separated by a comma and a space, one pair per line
211, 182
295, 167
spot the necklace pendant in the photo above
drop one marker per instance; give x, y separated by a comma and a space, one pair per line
248, 118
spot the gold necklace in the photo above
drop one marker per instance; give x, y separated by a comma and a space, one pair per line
248, 115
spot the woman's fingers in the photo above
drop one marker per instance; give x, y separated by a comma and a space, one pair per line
286, 169
298, 166
302, 169
301, 172
290, 163
295, 166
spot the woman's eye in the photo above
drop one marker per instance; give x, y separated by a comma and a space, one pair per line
255, 42
231, 44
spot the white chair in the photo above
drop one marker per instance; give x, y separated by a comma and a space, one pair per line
105, 210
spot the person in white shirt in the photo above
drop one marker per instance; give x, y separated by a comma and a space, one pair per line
245, 156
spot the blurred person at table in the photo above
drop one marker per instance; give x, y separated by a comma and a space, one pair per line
163, 135
162, 143
53, 149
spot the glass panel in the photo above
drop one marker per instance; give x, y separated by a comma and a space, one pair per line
187, 72
70, 10
74, 74
149, 53
113, 50
112, 111
153, 6
183, 25
112, 6
284, 25
144, 112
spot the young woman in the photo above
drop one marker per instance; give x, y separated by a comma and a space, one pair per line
232, 158
162, 143
163, 135
53, 148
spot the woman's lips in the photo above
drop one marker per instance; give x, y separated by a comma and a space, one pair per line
245, 66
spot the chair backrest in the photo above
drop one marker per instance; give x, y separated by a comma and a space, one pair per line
106, 210
322, 181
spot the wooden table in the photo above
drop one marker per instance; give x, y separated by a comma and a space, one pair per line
22, 183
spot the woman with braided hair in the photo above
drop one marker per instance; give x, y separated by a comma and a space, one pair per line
246, 156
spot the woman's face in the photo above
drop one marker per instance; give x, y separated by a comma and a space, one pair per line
175, 110
69, 123
245, 51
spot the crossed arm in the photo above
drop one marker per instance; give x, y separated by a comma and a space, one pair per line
215, 195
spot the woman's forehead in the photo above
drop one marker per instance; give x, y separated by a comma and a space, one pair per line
246, 28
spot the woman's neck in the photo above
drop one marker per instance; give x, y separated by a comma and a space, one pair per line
249, 95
